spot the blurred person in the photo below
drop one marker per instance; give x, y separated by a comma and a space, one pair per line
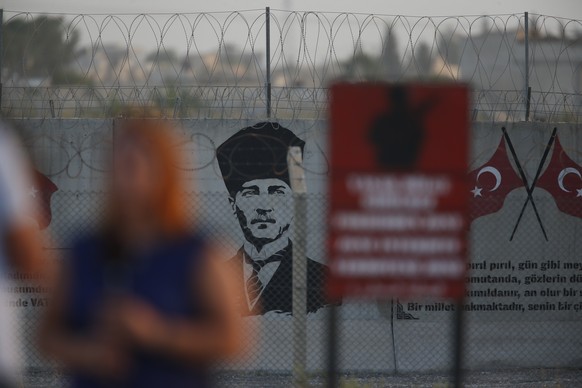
19, 247
253, 163
143, 302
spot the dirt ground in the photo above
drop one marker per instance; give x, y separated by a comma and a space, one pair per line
520, 378
512, 378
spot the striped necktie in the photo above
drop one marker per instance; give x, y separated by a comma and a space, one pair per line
254, 287
254, 284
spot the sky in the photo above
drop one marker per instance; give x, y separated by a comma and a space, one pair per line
144, 37
562, 8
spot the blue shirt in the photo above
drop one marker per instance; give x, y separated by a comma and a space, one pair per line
161, 277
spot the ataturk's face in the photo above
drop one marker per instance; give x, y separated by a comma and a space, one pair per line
264, 208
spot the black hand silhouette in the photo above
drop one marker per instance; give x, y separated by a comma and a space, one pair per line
398, 134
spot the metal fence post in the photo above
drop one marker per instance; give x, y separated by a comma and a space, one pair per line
299, 265
332, 347
458, 344
527, 90
268, 58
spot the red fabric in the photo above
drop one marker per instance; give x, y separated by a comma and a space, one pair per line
41, 192
491, 182
563, 180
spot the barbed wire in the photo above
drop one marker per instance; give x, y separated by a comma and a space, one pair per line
214, 65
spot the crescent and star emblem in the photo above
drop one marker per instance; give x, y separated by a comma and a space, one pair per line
491, 170
563, 174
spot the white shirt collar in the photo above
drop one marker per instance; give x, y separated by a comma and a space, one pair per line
268, 250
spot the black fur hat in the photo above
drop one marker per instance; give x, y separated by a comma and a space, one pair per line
256, 152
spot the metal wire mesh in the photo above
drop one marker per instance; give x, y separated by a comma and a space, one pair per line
381, 342
377, 340
209, 70
214, 65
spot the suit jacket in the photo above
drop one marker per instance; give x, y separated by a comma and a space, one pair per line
278, 293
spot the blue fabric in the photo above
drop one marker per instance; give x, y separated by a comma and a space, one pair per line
162, 277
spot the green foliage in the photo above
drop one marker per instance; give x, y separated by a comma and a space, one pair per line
38, 48
348, 383
163, 56
63, 77
174, 101
361, 66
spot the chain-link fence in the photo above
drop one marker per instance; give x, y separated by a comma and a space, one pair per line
216, 73
384, 342
256, 63
522, 303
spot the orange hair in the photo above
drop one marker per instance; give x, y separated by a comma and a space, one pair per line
156, 137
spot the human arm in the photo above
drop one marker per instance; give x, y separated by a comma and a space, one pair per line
215, 336
19, 233
99, 354
23, 247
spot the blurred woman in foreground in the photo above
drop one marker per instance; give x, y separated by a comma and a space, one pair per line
143, 302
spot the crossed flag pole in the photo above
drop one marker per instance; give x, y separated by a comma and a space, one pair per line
529, 189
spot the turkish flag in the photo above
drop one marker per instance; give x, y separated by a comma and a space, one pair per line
563, 180
40, 194
491, 183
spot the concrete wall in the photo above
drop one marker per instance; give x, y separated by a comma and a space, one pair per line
73, 153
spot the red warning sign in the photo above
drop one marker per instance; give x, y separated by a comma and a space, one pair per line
398, 188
